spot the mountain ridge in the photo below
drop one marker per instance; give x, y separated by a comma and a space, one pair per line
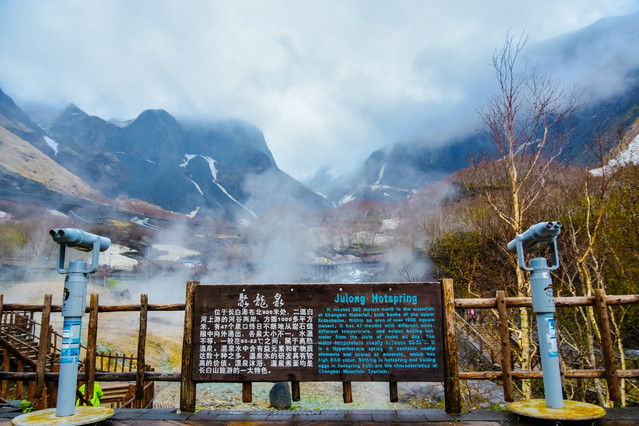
390, 173
194, 169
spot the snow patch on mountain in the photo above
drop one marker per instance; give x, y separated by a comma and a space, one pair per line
251, 212
188, 158
214, 172
212, 167
346, 199
197, 186
381, 175
53, 144
628, 156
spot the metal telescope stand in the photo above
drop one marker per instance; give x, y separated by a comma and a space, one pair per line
73, 307
553, 407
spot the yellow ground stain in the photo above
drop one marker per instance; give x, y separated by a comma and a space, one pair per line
82, 416
573, 410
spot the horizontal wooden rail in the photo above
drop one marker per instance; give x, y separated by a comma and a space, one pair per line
101, 308
485, 303
175, 377
568, 374
101, 376
560, 302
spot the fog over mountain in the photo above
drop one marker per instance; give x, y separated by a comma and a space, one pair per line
220, 170
225, 168
326, 82
597, 61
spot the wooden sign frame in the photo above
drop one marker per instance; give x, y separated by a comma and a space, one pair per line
318, 332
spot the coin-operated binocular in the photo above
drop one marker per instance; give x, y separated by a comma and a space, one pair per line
73, 306
536, 238
79, 240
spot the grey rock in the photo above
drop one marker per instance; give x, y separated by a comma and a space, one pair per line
280, 396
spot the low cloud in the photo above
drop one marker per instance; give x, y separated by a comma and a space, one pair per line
327, 81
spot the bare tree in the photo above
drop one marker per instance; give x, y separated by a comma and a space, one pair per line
520, 120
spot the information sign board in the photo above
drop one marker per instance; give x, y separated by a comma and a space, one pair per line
318, 332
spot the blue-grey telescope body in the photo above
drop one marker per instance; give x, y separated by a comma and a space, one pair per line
536, 237
78, 239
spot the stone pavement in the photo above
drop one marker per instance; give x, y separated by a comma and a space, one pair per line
171, 416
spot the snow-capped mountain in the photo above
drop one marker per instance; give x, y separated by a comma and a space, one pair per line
600, 59
221, 170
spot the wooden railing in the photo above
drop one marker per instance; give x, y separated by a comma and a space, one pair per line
600, 301
25, 339
506, 373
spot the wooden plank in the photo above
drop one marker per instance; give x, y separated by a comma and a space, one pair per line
452, 390
41, 403
141, 360
30, 391
463, 375
560, 302
487, 303
475, 303
52, 386
610, 365
599, 373
622, 299
347, 392
295, 390
43, 346
5, 367
187, 385
504, 337
92, 336
392, 391
247, 392
16, 353
4, 385
628, 374
18, 390
480, 375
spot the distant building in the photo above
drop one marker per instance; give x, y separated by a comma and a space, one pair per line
190, 263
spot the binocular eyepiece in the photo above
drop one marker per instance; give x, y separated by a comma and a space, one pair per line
79, 239
536, 237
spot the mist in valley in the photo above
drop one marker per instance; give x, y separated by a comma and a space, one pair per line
360, 242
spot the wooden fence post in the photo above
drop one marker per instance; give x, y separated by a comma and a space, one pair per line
247, 392
18, 390
452, 391
52, 391
43, 346
347, 392
5, 384
5, 367
188, 386
610, 365
392, 391
92, 340
504, 336
139, 378
295, 390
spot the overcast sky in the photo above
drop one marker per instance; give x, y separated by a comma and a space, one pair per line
328, 82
